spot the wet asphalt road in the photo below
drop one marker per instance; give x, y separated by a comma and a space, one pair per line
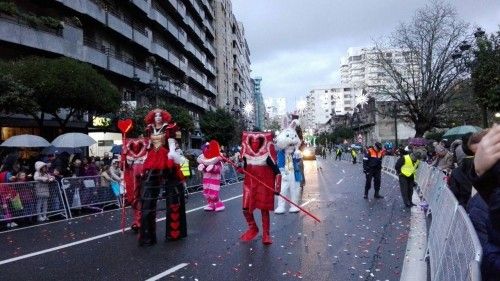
357, 239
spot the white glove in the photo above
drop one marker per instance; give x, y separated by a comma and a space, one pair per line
201, 167
210, 168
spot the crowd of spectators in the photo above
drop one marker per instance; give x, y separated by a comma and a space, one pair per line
32, 200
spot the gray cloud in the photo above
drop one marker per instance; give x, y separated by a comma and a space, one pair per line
297, 44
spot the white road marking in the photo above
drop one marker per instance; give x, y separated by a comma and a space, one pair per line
92, 238
340, 181
307, 202
167, 272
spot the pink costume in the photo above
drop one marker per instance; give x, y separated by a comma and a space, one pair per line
210, 163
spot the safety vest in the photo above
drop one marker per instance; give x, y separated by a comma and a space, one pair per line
185, 169
409, 169
375, 154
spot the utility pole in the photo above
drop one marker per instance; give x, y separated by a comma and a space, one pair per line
395, 111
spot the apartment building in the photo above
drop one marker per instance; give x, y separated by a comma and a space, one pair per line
234, 86
360, 68
139, 45
323, 103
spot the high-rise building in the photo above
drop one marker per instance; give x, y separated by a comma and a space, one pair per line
136, 44
234, 87
258, 102
275, 107
324, 103
360, 69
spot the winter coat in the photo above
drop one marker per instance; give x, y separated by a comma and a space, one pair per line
488, 186
42, 179
459, 182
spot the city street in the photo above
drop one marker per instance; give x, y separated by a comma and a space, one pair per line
357, 239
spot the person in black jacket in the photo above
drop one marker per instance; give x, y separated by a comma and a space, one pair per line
372, 167
486, 179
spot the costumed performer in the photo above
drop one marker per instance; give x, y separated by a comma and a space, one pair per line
287, 142
162, 170
210, 163
259, 158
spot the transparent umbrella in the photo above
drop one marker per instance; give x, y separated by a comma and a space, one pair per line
458, 132
72, 140
25, 141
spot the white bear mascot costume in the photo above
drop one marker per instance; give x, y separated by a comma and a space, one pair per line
288, 156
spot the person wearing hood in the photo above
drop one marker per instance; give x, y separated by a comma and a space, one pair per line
42, 192
406, 166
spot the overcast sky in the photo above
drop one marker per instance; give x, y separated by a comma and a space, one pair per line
296, 45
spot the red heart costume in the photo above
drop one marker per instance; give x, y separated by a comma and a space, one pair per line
259, 157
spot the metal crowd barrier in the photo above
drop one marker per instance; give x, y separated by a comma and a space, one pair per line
453, 247
32, 199
87, 192
23, 199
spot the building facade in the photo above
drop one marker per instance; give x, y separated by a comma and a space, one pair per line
324, 103
234, 86
139, 45
361, 69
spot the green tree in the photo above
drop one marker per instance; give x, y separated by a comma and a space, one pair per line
486, 74
16, 98
64, 88
219, 125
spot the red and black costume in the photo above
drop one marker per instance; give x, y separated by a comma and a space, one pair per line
259, 158
161, 172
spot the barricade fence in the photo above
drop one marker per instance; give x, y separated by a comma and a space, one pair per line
31, 199
40, 200
90, 192
453, 247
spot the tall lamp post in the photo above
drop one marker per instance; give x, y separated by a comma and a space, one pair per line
395, 115
465, 62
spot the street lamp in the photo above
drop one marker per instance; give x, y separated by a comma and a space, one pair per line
464, 62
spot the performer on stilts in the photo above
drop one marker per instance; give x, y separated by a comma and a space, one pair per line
162, 170
259, 158
210, 164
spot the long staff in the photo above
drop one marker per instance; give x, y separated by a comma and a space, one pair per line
268, 187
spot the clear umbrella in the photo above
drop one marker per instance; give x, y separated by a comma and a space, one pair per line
458, 132
72, 140
25, 141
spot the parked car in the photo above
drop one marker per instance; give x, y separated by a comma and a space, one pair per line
309, 153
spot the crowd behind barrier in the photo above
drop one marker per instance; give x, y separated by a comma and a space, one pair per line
453, 247
20, 200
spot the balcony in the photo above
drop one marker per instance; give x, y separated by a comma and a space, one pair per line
208, 8
194, 27
179, 7
209, 27
144, 5
158, 49
119, 25
86, 7
210, 48
168, 24
64, 42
